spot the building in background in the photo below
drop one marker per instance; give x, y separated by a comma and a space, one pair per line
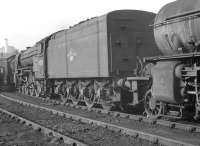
6, 51
7, 54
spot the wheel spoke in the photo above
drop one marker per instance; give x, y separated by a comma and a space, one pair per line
74, 94
89, 97
152, 108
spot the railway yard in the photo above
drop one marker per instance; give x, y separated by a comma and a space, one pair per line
95, 126
111, 80
14, 133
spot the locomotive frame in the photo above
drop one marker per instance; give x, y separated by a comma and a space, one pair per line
188, 74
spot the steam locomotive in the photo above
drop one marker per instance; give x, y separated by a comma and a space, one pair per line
175, 90
90, 62
100, 61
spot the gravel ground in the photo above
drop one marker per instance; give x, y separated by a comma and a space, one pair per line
90, 134
175, 134
15, 134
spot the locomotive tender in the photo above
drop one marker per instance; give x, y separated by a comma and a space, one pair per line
89, 61
175, 88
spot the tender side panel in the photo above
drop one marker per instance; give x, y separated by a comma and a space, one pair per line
56, 54
87, 49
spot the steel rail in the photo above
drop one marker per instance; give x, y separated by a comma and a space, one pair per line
167, 123
131, 132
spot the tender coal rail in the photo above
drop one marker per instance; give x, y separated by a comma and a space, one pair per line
142, 129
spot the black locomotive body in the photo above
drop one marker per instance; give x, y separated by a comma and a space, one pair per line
89, 61
175, 76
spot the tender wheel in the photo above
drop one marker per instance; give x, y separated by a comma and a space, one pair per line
89, 97
23, 89
105, 100
62, 98
38, 91
74, 94
20, 89
32, 91
67, 96
153, 108
26, 91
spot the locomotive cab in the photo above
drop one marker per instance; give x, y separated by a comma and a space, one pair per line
129, 39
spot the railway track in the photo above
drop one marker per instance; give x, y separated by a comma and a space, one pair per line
123, 130
43, 129
88, 133
14, 133
172, 124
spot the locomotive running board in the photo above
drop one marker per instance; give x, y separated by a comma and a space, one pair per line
172, 57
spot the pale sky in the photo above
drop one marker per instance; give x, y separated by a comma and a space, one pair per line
25, 22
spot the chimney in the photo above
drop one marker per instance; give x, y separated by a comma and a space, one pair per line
6, 45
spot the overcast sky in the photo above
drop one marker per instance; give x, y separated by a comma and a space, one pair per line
24, 22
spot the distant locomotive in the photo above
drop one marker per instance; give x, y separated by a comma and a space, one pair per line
90, 61
175, 88
7, 73
3, 70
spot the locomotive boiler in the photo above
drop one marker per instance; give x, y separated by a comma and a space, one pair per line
89, 61
175, 75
